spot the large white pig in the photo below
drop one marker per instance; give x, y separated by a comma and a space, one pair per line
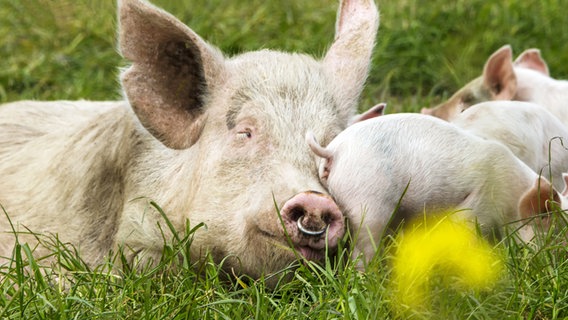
531, 132
400, 166
525, 79
210, 139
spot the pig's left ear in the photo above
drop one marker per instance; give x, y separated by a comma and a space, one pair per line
499, 76
531, 59
172, 71
536, 201
348, 59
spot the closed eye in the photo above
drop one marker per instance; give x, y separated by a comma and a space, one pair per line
468, 99
244, 134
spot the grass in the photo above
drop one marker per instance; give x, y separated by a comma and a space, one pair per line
64, 49
533, 287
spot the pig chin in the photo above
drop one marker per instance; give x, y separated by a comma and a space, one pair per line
307, 249
311, 254
289, 247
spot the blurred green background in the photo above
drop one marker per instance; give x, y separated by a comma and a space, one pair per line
66, 49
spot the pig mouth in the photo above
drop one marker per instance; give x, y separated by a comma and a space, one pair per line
308, 249
313, 248
311, 254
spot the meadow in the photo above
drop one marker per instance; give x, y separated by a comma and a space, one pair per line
66, 49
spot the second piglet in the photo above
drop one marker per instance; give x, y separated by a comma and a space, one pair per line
401, 166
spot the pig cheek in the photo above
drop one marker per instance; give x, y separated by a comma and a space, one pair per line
228, 178
269, 243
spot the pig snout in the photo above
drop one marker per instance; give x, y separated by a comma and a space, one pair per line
310, 219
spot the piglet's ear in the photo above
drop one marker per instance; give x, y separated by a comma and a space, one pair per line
498, 74
536, 201
531, 59
172, 71
348, 59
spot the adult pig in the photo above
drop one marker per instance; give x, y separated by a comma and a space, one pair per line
400, 166
210, 139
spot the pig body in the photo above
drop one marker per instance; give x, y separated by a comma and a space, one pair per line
210, 139
401, 166
531, 132
525, 79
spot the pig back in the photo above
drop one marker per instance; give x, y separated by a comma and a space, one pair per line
531, 132
434, 164
66, 169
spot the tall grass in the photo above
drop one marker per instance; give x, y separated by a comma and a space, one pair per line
533, 287
65, 49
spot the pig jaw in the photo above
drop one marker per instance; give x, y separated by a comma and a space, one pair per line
262, 240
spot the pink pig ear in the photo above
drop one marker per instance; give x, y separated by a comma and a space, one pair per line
498, 74
531, 59
172, 70
316, 147
536, 201
348, 60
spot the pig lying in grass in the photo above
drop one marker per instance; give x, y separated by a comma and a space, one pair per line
210, 139
525, 79
401, 165
532, 133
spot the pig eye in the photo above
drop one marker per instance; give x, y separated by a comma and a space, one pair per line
468, 99
244, 134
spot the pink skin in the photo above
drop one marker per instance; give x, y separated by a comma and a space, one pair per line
318, 212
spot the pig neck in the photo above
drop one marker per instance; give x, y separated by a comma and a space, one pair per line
533, 86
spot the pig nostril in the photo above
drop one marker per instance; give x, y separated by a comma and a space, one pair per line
296, 213
310, 232
327, 217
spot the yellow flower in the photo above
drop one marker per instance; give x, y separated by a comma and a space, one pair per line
445, 248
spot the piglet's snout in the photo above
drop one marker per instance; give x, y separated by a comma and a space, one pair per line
310, 217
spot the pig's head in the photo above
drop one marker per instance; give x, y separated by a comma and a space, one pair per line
239, 123
502, 79
498, 82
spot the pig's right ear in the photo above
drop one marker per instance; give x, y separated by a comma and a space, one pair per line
172, 71
531, 59
348, 60
499, 76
